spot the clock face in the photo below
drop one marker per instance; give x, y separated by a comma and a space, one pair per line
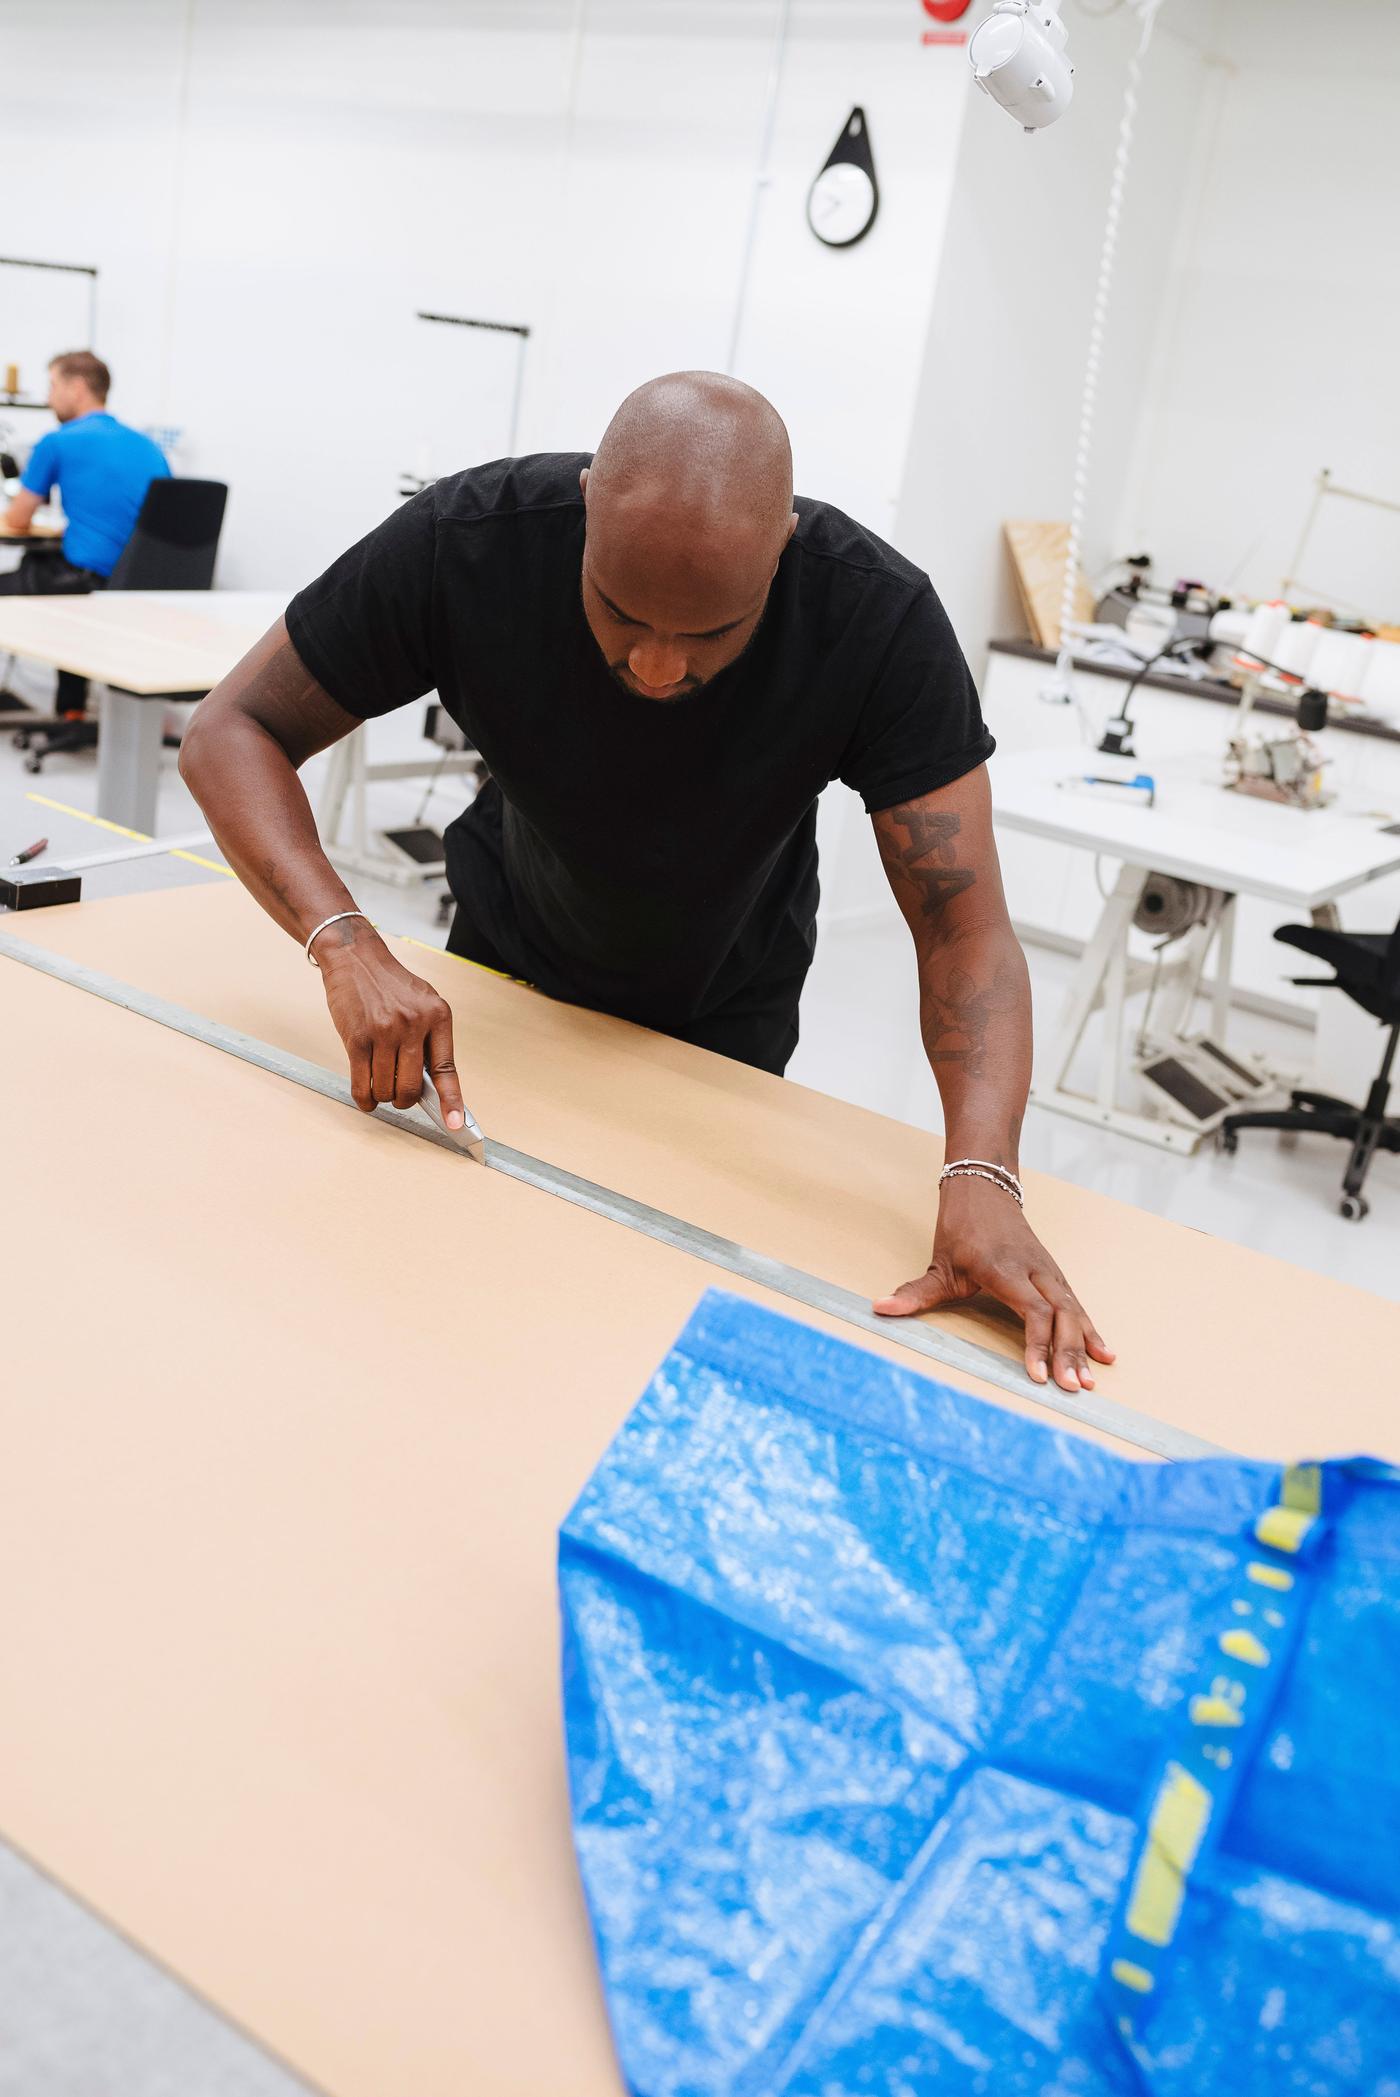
841, 206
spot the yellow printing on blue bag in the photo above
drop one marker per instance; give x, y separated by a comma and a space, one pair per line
1175, 1832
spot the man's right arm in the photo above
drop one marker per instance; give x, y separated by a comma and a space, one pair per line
240, 757
36, 483
20, 514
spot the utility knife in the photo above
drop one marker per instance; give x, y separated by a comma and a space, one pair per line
468, 1138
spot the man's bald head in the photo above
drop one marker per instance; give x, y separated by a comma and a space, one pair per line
689, 505
709, 448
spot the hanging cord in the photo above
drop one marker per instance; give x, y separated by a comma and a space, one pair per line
1144, 1032
1088, 406
434, 782
1140, 1045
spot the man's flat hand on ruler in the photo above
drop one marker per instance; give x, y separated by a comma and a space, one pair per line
983, 1244
393, 1024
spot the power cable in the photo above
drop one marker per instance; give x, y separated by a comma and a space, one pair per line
1098, 323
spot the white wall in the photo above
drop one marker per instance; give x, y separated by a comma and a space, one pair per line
838, 337
89, 127
994, 429
1278, 351
273, 188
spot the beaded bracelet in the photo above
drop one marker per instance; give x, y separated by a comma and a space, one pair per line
984, 1169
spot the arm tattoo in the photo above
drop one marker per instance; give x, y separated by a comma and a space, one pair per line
272, 875
920, 858
956, 1016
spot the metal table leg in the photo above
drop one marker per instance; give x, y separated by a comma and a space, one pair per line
1105, 976
128, 759
336, 787
1108, 945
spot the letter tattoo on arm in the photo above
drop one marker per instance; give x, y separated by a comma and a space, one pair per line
974, 996
920, 859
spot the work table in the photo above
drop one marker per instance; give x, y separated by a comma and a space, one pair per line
299, 1403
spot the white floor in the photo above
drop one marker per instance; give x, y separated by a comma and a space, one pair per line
860, 1036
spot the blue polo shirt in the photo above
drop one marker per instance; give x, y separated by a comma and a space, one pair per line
102, 470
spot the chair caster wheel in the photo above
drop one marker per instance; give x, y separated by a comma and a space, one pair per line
33, 764
1228, 1141
1355, 1207
20, 739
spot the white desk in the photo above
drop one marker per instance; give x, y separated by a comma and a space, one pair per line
1300, 861
142, 645
1301, 858
1052, 890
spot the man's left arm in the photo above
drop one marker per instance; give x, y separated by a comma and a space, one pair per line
975, 1013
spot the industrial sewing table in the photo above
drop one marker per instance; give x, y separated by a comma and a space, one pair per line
1303, 860
294, 1406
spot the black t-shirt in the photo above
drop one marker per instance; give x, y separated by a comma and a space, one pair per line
649, 858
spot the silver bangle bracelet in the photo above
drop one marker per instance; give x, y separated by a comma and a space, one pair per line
334, 919
984, 1169
1003, 1172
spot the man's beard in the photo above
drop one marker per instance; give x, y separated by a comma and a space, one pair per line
690, 688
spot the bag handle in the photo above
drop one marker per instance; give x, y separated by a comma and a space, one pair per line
1193, 1787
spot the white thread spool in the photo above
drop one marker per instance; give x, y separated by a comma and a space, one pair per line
1263, 634
1338, 662
1296, 647
1231, 629
1380, 694
1362, 669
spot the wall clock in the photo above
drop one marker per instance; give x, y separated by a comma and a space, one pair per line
843, 201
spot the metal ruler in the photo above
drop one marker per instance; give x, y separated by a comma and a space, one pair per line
930, 1341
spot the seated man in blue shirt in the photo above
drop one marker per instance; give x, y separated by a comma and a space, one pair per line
102, 469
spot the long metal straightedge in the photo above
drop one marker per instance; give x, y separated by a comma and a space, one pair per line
931, 1341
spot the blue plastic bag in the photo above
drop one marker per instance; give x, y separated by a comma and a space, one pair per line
917, 1747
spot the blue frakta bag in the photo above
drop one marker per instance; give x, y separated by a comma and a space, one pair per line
915, 1747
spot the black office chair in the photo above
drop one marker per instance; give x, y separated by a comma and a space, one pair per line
1368, 970
175, 540
174, 544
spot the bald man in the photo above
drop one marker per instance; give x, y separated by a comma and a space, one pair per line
663, 659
